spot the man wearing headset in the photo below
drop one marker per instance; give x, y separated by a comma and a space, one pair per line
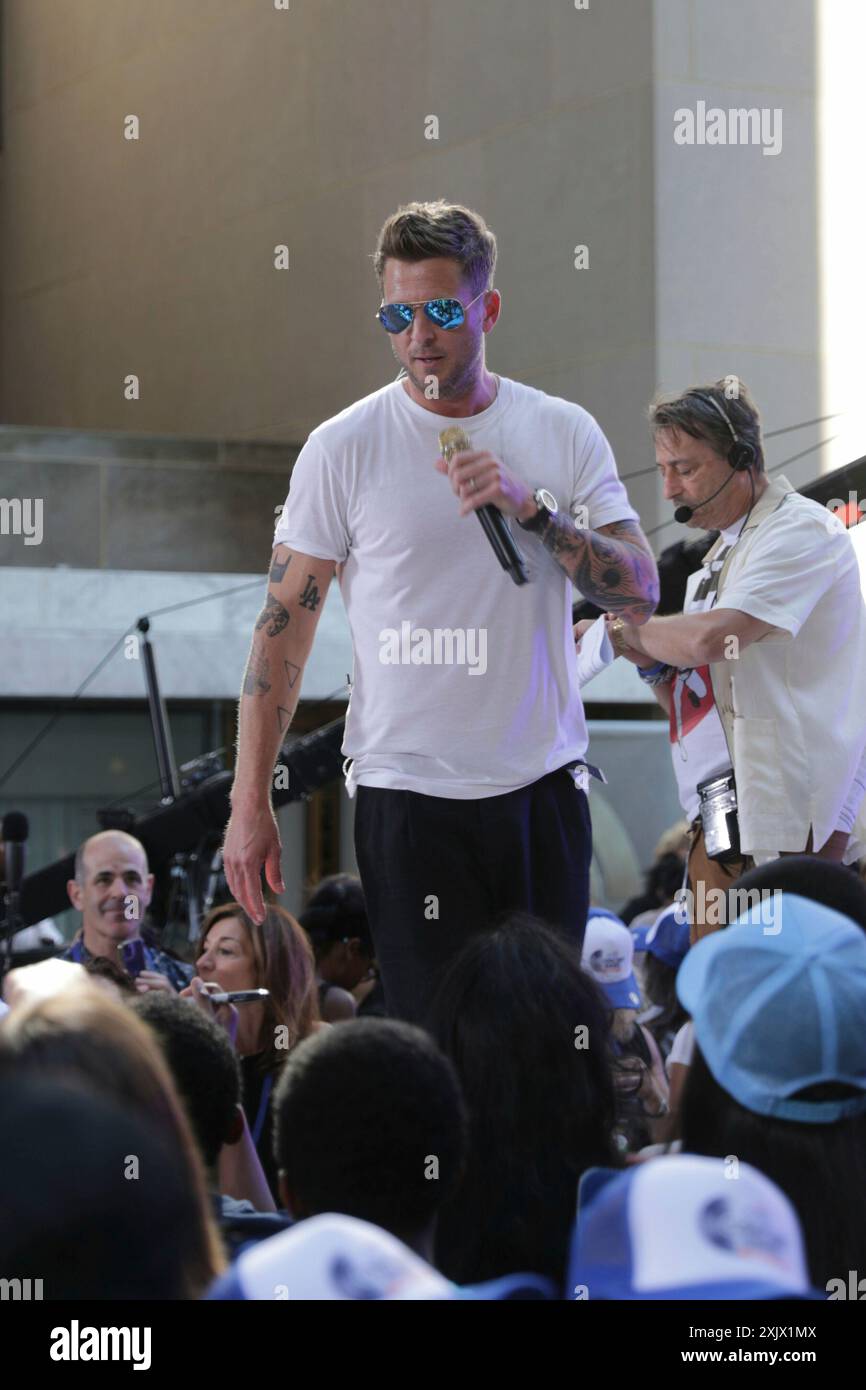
762, 675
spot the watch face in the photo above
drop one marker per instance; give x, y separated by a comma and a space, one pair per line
547, 499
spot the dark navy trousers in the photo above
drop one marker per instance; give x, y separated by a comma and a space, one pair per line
437, 870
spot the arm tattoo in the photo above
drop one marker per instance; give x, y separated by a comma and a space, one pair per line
257, 676
611, 567
311, 597
273, 613
280, 564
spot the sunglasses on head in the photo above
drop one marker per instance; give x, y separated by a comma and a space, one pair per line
445, 313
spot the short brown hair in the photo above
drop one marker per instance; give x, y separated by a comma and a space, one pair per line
420, 231
285, 966
700, 412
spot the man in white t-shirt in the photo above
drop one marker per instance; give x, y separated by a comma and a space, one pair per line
763, 673
465, 713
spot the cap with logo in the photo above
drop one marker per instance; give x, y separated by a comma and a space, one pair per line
337, 1257
608, 953
689, 1227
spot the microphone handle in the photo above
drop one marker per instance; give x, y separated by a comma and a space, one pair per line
499, 536
454, 440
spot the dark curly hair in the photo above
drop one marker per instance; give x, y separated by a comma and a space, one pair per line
361, 1111
202, 1062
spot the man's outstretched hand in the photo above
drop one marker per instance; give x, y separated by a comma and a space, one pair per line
252, 839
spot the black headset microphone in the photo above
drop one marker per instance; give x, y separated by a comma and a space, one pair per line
684, 513
740, 456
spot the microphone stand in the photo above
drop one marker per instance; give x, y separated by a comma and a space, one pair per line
12, 922
159, 721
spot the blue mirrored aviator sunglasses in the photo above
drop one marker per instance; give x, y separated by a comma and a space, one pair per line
445, 313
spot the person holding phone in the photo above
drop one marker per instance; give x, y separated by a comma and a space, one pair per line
112, 889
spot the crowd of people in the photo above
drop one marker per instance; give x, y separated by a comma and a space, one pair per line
453, 1076
642, 1117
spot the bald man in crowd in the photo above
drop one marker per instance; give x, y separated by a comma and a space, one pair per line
112, 889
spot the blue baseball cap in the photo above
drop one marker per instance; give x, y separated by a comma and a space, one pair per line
608, 953
639, 935
338, 1257
668, 937
605, 912
777, 1011
685, 1227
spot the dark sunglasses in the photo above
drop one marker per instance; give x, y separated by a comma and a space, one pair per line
445, 313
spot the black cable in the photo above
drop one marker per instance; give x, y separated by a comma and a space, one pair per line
641, 473
794, 458
205, 598
157, 782
70, 700
819, 421
59, 713
771, 434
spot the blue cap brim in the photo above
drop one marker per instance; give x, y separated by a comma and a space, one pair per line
508, 1287
604, 1284
623, 994
673, 958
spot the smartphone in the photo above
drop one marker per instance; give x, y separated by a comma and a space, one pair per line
239, 996
132, 955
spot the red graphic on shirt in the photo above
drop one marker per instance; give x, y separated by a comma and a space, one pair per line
691, 701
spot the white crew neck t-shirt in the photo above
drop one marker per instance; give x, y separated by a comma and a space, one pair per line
465, 684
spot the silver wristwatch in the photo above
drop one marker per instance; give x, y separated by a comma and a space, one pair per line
547, 506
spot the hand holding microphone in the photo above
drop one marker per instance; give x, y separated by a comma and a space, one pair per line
482, 473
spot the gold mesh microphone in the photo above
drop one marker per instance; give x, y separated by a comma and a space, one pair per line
455, 440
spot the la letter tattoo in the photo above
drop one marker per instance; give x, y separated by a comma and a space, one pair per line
310, 598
